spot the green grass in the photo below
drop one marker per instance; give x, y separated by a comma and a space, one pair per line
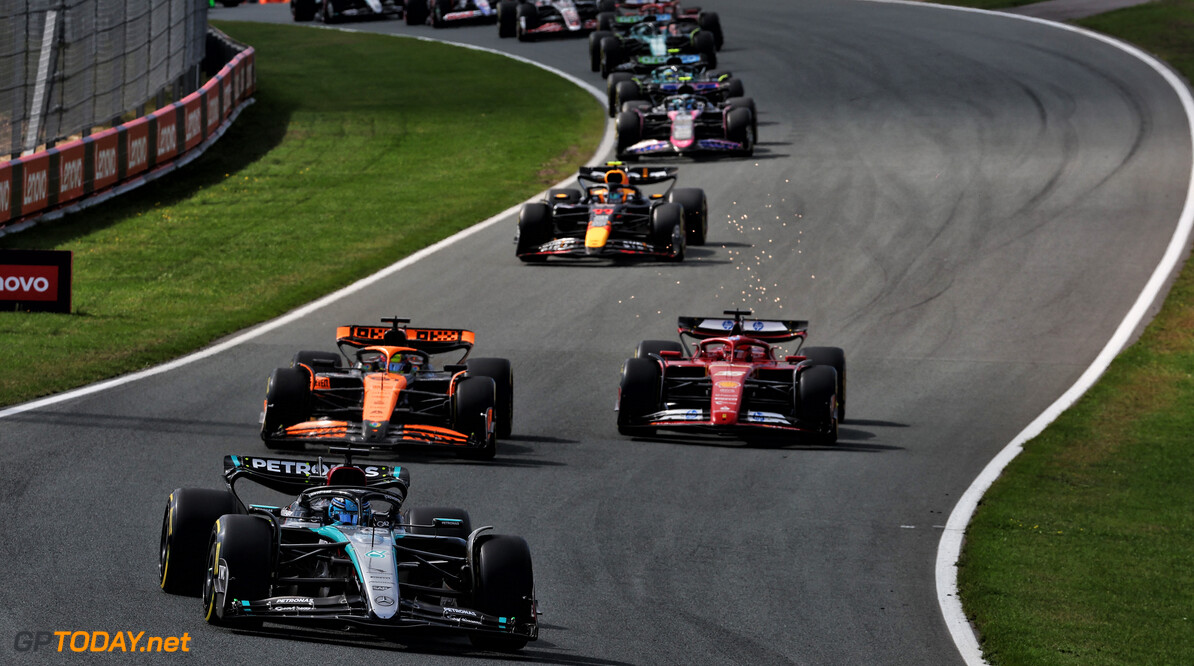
1083, 551
360, 150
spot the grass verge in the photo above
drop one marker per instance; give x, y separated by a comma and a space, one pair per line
360, 150
1083, 551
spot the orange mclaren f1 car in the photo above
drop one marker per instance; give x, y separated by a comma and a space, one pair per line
383, 391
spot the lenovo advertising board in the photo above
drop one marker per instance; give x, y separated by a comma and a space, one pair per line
35, 280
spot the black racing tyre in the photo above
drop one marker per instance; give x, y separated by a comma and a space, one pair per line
648, 347
747, 103
605, 21
611, 89
711, 22
696, 213
740, 128
442, 7
502, 374
186, 528
816, 388
595, 38
416, 12
734, 87
319, 361
530, 13
505, 587
507, 14
327, 12
706, 45
534, 229
629, 128
426, 515
302, 10
638, 395
287, 401
611, 54
667, 229
627, 91
563, 195
473, 405
246, 552
835, 357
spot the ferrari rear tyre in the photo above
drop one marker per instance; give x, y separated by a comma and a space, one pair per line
696, 213
648, 348
836, 358
244, 547
667, 229
186, 529
507, 15
505, 587
287, 402
638, 395
816, 389
502, 374
534, 229
473, 408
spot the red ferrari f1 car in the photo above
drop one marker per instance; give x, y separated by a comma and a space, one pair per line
735, 382
390, 394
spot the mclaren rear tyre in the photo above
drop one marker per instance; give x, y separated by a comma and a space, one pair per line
238, 559
534, 229
649, 348
836, 358
638, 395
186, 529
507, 19
667, 229
505, 587
502, 374
287, 402
696, 213
473, 409
816, 389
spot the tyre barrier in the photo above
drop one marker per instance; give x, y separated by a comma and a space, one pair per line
128, 154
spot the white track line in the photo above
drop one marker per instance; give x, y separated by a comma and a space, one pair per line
606, 146
950, 546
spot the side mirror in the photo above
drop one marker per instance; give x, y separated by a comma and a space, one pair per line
671, 353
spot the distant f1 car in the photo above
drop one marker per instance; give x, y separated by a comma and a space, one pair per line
528, 19
667, 9
334, 11
716, 85
442, 13
344, 554
734, 382
684, 125
635, 36
610, 216
389, 394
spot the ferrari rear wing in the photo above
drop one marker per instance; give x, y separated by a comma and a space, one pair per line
644, 175
769, 330
292, 476
398, 334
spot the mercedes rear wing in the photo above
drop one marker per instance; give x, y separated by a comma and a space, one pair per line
292, 476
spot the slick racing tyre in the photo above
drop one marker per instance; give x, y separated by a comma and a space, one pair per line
740, 129
638, 395
595, 38
528, 19
734, 87
629, 132
836, 358
186, 528
502, 374
287, 402
627, 91
748, 103
696, 213
667, 229
505, 587
534, 229
238, 565
711, 22
302, 10
649, 348
706, 45
605, 21
611, 55
611, 89
815, 391
416, 12
507, 13
472, 411
442, 8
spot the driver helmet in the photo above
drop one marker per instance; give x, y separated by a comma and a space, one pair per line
615, 190
669, 73
346, 511
403, 363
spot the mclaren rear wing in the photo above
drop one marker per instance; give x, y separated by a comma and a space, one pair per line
398, 334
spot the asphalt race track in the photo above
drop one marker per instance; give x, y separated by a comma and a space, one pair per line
968, 204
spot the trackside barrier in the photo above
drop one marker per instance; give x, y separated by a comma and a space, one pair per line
97, 165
